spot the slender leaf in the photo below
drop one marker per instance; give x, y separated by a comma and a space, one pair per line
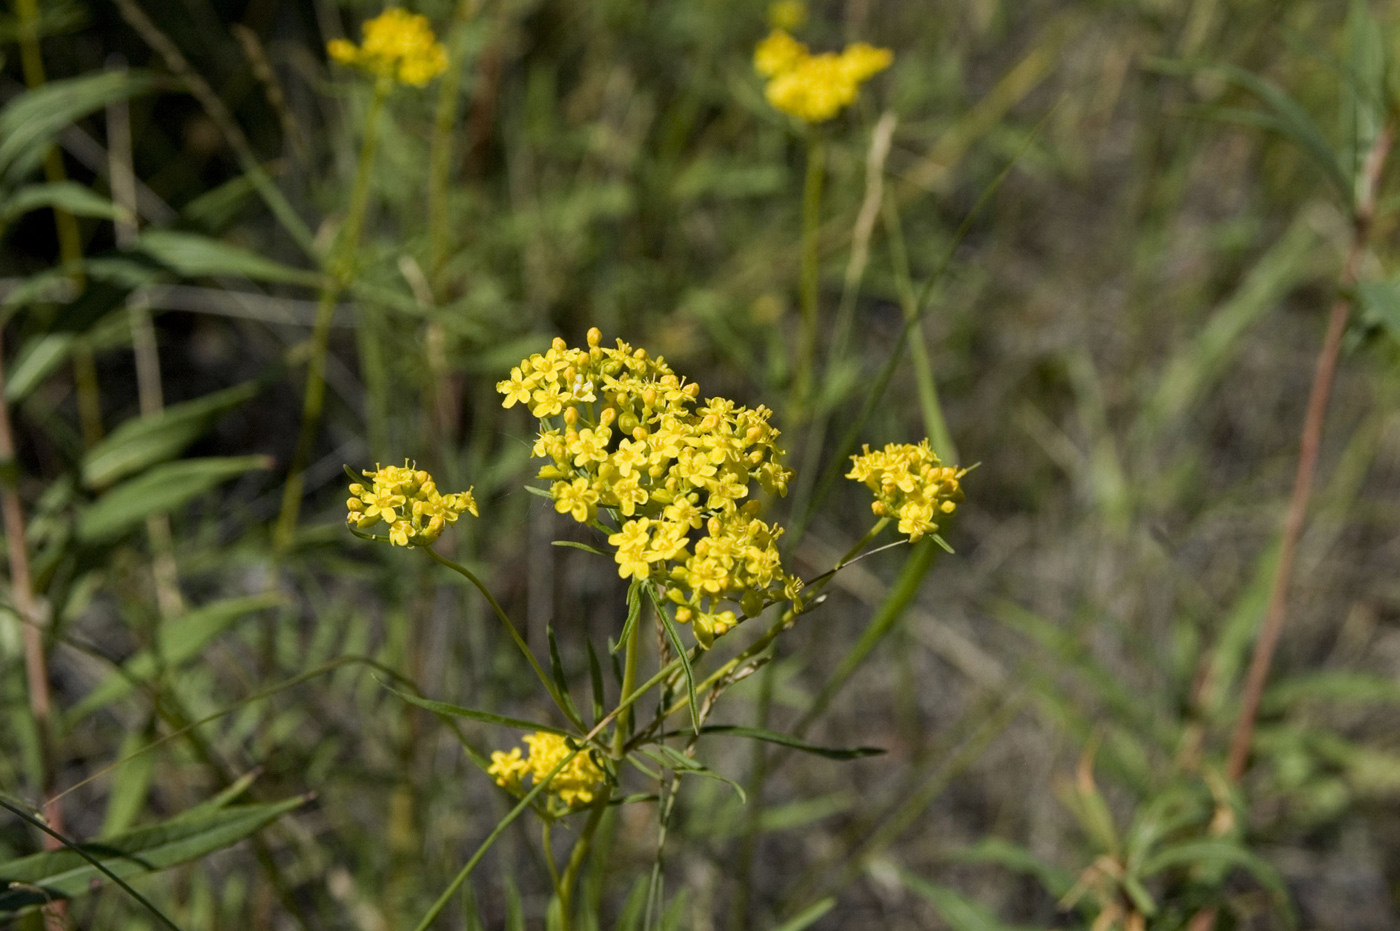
808, 916
159, 490
786, 740
674, 636
457, 711
144, 441
595, 676
62, 195
556, 672
179, 641
63, 874
31, 122
960, 912
191, 255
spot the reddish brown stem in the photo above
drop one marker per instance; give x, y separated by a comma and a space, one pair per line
1314, 419
26, 606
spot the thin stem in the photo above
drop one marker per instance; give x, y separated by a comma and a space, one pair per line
461, 877
27, 607
934, 422
547, 839
564, 888
340, 267
811, 271
1311, 440
512, 630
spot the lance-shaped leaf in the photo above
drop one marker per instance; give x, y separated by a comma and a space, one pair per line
178, 641
66, 873
193, 256
486, 717
159, 490
31, 122
773, 737
60, 195
145, 441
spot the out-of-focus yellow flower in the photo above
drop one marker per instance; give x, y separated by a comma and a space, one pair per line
575, 786
398, 45
787, 14
911, 484
677, 476
777, 53
408, 501
814, 88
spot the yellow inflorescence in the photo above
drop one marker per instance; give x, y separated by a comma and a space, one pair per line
623, 432
398, 45
408, 501
576, 785
815, 88
909, 483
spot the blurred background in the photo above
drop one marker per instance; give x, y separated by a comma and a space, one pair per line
1120, 226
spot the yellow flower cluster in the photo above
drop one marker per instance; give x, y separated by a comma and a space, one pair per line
909, 483
635, 439
576, 785
398, 45
815, 88
408, 501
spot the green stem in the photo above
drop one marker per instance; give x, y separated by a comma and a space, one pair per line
783, 623
934, 422
627, 701
811, 223
339, 267
514, 633
577, 857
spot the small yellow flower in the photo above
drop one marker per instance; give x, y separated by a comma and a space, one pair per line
909, 483
576, 785
398, 45
777, 53
814, 88
675, 474
396, 488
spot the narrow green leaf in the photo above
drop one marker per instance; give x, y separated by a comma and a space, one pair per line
61, 195
1294, 123
159, 490
1018, 859
556, 672
30, 123
1380, 305
786, 740
179, 640
572, 544
144, 441
457, 711
674, 636
808, 916
634, 610
1224, 854
595, 675
63, 874
673, 759
960, 912
191, 255
38, 358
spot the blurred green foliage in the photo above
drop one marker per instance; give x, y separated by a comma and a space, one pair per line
1118, 225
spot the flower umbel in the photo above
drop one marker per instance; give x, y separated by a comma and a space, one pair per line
911, 484
814, 88
622, 432
407, 500
575, 786
398, 45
